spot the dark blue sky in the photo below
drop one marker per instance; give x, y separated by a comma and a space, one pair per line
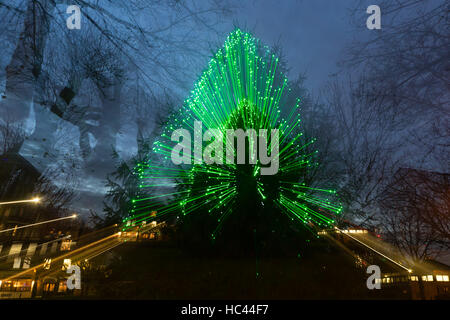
311, 33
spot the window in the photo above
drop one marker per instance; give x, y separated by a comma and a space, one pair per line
62, 286
17, 262
26, 262
53, 247
67, 263
49, 287
6, 285
442, 278
414, 278
43, 249
31, 249
47, 264
22, 285
15, 249
427, 278
65, 245
17, 285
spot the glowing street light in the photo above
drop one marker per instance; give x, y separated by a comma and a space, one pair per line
34, 200
367, 246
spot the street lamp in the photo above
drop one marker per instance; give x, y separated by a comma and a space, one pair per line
34, 200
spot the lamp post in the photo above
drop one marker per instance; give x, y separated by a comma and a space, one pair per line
34, 200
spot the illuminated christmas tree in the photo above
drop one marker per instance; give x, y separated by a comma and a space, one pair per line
241, 89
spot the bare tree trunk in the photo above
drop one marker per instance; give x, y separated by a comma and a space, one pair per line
26, 61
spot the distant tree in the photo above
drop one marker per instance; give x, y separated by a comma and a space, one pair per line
57, 196
407, 60
123, 187
401, 89
406, 65
415, 216
11, 136
364, 150
123, 183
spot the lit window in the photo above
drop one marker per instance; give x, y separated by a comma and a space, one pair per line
430, 278
66, 264
62, 286
22, 285
442, 278
424, 278
49, 287
414, 278
65, 245
17, 262
47, 264
7, 285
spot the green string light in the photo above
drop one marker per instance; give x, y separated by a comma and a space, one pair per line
240, 89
